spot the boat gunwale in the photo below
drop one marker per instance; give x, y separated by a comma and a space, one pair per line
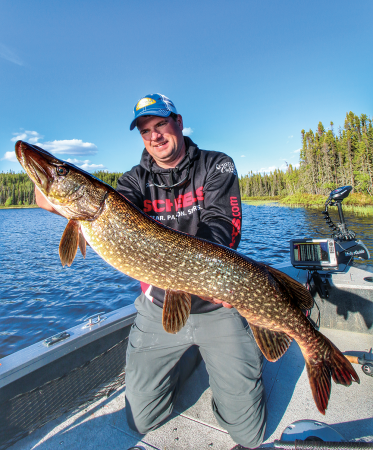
35, 356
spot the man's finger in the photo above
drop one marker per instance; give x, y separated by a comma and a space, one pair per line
217, 301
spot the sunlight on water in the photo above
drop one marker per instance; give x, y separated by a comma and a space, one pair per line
267, 230
39, 297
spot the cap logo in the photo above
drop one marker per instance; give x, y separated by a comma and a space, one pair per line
144, 102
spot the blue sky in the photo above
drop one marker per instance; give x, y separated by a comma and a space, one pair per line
247, 76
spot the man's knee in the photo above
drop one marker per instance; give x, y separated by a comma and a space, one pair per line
246, 425
140, 420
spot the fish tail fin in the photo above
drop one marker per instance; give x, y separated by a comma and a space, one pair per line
328, 363
320, 382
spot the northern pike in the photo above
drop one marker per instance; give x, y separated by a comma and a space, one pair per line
135, 244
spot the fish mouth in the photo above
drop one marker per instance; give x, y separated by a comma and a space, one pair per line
37, 162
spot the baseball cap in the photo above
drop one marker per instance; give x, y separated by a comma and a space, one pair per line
152, 105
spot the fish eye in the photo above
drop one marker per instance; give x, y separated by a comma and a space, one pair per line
62, 170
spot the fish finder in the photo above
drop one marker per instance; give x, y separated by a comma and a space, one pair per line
317, 254
341, 248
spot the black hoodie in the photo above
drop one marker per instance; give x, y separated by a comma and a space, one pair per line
207, 204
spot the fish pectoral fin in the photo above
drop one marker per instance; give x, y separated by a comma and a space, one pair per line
273, 344
69, 243
176, 310
300, 295
82, 244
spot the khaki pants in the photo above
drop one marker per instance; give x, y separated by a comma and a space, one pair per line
156, 369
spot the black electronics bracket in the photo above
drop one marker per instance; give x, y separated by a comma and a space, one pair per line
347, 247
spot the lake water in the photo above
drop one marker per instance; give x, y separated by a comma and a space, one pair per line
39, 298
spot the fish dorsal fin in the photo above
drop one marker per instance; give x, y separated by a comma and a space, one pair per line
176, 310
69, 243
82, 244
300, 295
273, 344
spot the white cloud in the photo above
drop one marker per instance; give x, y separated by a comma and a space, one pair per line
243, 156
62, 147
271, 169
187, 131
29, 136
93, 167
86, 165
267, 169
10, 156
9, 55
297, 151
77, 161
75, 147
290, 137
69, 147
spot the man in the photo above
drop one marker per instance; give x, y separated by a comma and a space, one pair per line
197, 192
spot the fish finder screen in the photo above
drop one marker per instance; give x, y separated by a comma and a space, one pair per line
311, 252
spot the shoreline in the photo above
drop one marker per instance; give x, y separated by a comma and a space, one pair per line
18, 206
361, 210
356, 203
276, 201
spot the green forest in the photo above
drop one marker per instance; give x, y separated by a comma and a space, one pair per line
16, 189
328, 159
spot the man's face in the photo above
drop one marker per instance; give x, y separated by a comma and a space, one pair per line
163, 139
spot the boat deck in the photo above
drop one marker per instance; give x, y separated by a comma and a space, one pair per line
193, 426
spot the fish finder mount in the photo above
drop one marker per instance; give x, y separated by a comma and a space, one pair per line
339, 231
316, 255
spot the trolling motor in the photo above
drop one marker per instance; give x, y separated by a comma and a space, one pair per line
327, 254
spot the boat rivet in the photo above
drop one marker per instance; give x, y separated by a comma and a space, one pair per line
211, 445
176, 439
175, 429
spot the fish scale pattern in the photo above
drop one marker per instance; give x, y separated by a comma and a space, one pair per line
148, 251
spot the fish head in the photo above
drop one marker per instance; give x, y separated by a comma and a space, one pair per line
74, 193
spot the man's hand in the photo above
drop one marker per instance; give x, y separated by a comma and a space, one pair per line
217, 301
